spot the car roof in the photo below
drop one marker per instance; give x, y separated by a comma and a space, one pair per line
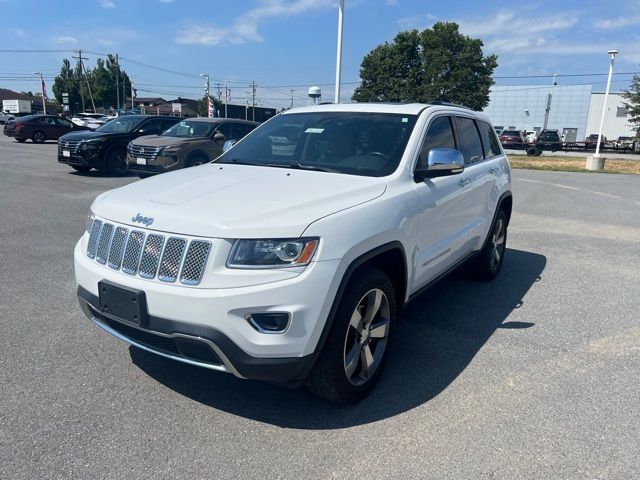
397, 108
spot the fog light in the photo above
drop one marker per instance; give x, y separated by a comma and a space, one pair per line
269, 322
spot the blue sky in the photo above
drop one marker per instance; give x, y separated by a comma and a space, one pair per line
284, 44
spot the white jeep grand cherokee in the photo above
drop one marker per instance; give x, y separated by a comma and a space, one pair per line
289, 257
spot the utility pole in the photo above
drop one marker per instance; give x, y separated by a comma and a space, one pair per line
124, 93
79, 58
86, 78
613, 54
253, 101
42, 90
246, 105
117, 84
339, 51
292, 90
131, 82
219, 91
226, 97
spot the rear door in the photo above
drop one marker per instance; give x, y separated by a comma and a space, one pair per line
481, 154
64, 126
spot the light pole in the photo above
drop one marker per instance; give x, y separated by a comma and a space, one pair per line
226, 97
596, 162
339, 50
42, 90
612, 54
549, 97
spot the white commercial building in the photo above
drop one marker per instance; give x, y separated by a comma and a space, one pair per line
574, 110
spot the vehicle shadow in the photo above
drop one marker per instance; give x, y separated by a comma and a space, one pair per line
438, 335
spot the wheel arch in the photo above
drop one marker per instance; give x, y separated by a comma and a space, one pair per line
389, 258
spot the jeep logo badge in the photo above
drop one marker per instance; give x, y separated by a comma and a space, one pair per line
146, 221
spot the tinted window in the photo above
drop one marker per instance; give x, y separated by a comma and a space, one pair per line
152, 127
241, 129
439, 135
489, 141
356, 143
225, 129
122, 124
166, 124
190, 128
469, 140
63, 122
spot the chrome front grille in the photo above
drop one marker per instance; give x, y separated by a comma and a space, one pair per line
70, 145
149, 256
138, 151
194, 262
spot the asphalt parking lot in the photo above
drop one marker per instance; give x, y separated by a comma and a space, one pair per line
532, 376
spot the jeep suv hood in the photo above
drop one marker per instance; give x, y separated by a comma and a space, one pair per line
237, 201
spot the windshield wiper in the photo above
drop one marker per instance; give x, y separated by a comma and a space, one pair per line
300, 166
237, 161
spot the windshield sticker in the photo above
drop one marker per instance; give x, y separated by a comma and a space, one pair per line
314, 130
405, 120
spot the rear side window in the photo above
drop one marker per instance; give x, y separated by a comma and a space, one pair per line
490, 143
439, 135
225, 129
469, 140
152, 127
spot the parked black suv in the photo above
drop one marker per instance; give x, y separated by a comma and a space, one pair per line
106, 147
549, 140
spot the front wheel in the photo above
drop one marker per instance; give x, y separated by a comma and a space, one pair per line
488, 263
116, 162
353, 355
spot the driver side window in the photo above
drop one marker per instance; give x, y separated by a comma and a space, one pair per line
439, 135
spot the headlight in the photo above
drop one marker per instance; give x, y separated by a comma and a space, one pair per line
90, 218
272, 253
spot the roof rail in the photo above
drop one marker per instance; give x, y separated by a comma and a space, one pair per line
449, 104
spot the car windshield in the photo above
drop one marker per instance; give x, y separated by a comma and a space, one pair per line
190, 128
121, 125
356, 143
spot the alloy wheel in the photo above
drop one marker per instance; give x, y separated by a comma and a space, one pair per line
497, 244
367, 336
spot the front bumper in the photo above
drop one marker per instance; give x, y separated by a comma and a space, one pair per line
218, 316
91, 158
198, 345
157, 164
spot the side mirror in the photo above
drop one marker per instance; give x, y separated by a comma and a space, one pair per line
219, 137
142, 131
441, 162
228, 144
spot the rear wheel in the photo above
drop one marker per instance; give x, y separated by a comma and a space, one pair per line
81, 168
38, 137
116, 161
21, 140
533, 151
353, 355
488, 263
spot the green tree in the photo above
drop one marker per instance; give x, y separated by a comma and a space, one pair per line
438, 63
632, 95
202, 106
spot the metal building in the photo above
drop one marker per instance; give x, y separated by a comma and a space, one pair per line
616, 121
574, 110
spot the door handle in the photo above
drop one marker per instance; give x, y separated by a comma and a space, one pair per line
464, 182
494, 170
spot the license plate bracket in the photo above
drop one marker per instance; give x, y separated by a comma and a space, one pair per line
141, 161
123, 303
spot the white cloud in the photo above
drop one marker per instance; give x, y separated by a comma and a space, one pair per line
18, 32
620, 22
416, 21
392, 3
245, 27
105, 42
107, 4
64, 39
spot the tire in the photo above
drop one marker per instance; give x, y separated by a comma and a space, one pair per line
21, 140
116, 161
489, 262
538, 153
38, 137
196, 160
358, 336
533, 151
81, 168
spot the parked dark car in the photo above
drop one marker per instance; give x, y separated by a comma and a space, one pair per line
188, 143
592, 140
106, 147
513, 139
39, 128
549, 140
